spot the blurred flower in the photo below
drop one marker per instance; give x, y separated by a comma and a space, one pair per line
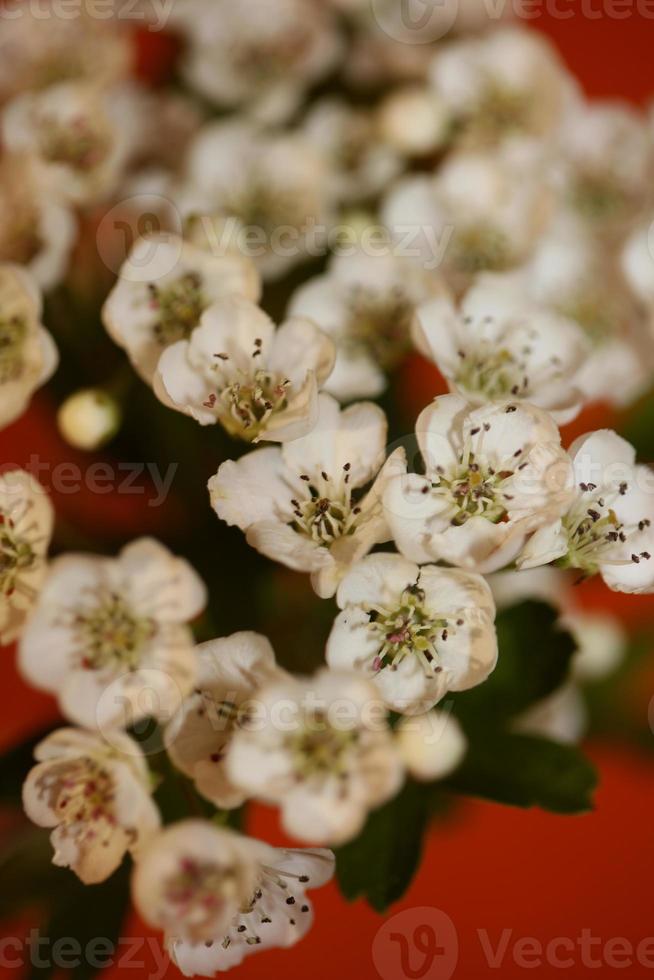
278, 915
40, 48
259, 55
303, 505
26, 520
607, 528
602, 166
480, 211
501, 345
36, 231
417, 632
79, 136
413, 120
163, 288
28, 356
509, 82
108, 636
494, 475
360, 165
97, 797
193, 878
561, 717
89, 418
237, 369
367, 304
230, 672
327, 759
255, 192
432, 745
637, 261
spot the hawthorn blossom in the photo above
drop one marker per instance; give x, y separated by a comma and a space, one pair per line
413, 120
193, 878
322, 750
37, 230
96, 795
432, 745
417, 632
26, 521
606, 528
163, 288
637, 263
361, 165
237, 369
304, 505
28, 356
278, 915
602, 165
499, 345
481, 211
367, 304
254, 55
260, 193
230, 672
509, 82
80, 136
493, 476
108, 636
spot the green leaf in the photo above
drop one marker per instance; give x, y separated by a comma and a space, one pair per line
534, 660
381, 862
525, 771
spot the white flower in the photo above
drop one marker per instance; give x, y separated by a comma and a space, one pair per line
28, 356
493, 476
413, 120
26, 519
230, 672
79, 136
637, 261
432, 745
499, 345
607, 529
96, 795
108, 635
574, 276
262, 193
37, 231
304, 504
481, 211
321, 749
418, 632
602, 167
89, 418
39, 47
193, 878
163, 288
278, 915
508, 82
561, 717
601, 641
237, 369
542, 584
367, 304
360, 164
257, 54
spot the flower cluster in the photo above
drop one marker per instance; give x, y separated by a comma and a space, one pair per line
480, 213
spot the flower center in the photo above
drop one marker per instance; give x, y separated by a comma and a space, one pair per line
480, 247
595, 534
111, 636
474, 490
327, 511
598, 196
264, 58
179, 305
491, 371
199, 890
77, 143
407, 629
16, 555
86, 795
263, 205
380, 324
320, 749
13, 333
501, 110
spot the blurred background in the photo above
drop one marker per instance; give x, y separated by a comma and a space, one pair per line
487, 867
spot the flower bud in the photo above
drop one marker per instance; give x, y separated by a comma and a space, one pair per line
413, 120
89, 418
432, 745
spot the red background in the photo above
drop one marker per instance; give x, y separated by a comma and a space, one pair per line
493, 868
